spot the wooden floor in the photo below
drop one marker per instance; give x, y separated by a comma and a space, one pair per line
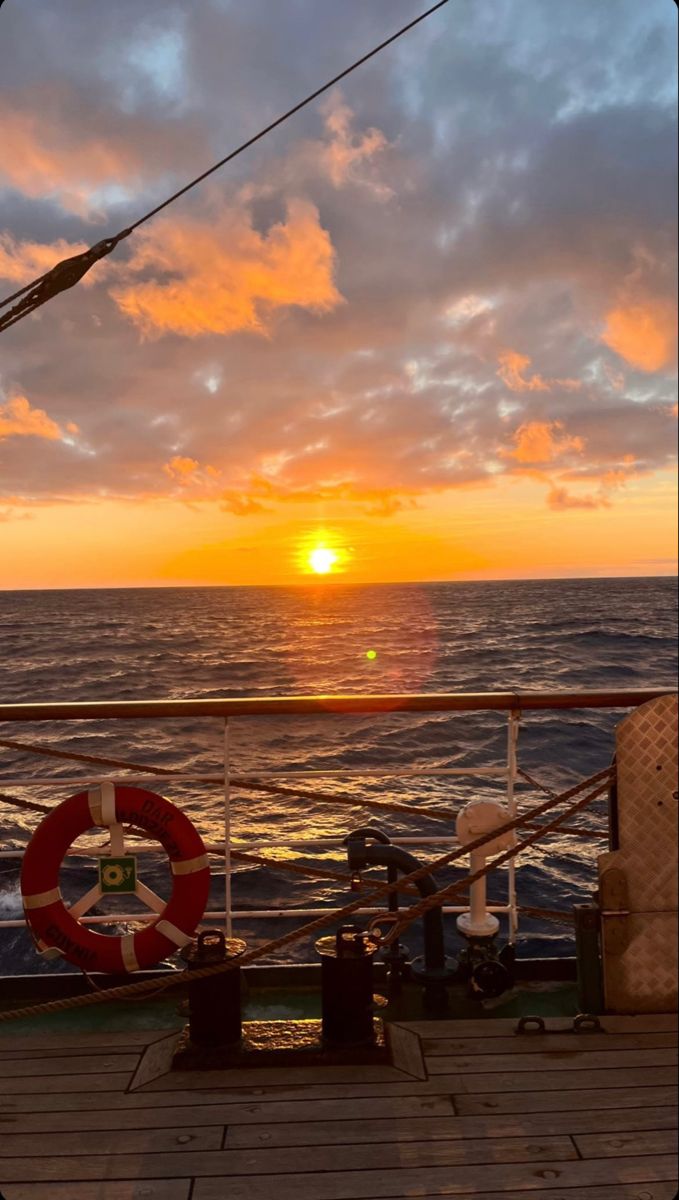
473, 1110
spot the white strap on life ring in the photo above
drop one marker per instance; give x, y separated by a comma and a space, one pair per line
127, 951
102, 804
171, 932
188, 866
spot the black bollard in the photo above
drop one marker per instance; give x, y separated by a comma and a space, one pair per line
347, 987
214, 1003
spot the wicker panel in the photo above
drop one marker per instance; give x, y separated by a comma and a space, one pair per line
640, 952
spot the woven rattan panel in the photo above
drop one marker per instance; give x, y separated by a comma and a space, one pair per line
640, 950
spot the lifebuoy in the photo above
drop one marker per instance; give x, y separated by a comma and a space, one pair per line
50, 920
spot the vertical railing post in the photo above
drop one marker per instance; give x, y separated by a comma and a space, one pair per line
512, 739
228, 906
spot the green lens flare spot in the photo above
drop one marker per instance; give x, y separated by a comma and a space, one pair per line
118, 876
371, 654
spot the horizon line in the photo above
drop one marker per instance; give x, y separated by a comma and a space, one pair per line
316, 582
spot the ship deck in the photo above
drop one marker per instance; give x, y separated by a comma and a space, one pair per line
471, 1110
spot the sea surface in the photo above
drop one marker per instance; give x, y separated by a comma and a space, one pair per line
219, 642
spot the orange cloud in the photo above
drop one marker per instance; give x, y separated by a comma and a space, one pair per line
23, 261
541, 442
560, 499
54, 146
346, 149
511, 372
224, 276
644, 334
18, 419
181, 469
39, 157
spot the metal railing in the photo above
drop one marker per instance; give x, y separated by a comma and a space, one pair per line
512, 704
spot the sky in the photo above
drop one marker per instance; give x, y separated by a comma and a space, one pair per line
428, 326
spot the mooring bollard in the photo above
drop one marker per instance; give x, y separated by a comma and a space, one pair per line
347, 986
215, 1002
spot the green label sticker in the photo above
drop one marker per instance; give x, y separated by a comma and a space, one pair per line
118, 875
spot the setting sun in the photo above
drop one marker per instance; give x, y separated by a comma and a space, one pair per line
322, 560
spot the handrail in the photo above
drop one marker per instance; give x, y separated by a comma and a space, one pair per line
267, 706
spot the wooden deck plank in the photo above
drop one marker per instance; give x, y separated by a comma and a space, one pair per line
73, 1039
109, 1189
95, 1064
373, 1160
284, 1076
464, 1181
219, 1113
503, 1026
544, 1080
167, 1189
428, 1128
555, 1060
215, 1087
563, 1100
74, 1053
619, 1145
111, 1143
57, 1084
561, 1117
204, 1091
549, 1043
633, 1191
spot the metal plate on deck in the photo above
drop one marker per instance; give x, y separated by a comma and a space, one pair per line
640, 878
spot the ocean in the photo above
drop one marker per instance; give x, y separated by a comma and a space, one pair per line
219, 642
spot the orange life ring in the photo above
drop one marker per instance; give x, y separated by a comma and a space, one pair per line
50, 920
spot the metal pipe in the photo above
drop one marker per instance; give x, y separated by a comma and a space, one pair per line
361, 854
513, 725
298, 705
245, 914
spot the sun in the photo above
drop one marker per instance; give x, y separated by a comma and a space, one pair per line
322, 551
322, 560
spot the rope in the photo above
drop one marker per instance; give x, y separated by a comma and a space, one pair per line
573, 831
250, 783
312, 927
339, 798
51, 752
29, 805
314, 872
548, 914
68, 272
541, 787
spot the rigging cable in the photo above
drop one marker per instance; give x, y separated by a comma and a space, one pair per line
68, 272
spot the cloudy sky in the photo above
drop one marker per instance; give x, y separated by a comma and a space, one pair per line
429, 322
